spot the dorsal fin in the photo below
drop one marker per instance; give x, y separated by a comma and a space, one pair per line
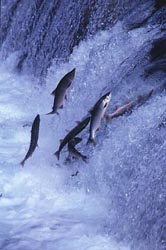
78, 122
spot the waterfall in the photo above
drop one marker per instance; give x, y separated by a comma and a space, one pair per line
40, 31
117, 200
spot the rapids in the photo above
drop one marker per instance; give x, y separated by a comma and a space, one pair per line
118, 200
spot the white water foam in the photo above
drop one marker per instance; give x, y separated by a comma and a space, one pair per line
42, 205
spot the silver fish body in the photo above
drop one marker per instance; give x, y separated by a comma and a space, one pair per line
120, 111
34, 138
58, 100
73, 152
75, 131
97, 113
65, 81
61, 91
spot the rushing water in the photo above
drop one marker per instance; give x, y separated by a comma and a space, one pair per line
118, 200
40, 30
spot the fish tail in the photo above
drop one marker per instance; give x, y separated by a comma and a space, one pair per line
57, 153
91, 140
22, 163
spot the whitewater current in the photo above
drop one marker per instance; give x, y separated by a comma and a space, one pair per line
117, 200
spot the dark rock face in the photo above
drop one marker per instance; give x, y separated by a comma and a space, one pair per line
160, 3
158, 50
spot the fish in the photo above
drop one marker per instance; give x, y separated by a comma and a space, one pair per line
65, 81
97, 113
75, 141
34, 139
140, 100
75, 131
60, 92
120, 111
73, 152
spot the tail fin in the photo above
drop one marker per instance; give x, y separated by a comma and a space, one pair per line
22, 163
57, 153
91, 140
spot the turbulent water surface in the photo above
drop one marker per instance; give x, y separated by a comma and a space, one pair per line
117, 201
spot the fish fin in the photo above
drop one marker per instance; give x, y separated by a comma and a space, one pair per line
53, 92
73, 142
22, 163
52, 112
78, 122
150, 93
65, 97
108, 117
90, 111
78, 139
91, 140
57, 153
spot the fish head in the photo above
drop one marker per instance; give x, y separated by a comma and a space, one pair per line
70, 77
37, 119
106, 99
72, 73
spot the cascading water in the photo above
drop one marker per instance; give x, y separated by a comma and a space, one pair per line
117, 201
42, 30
